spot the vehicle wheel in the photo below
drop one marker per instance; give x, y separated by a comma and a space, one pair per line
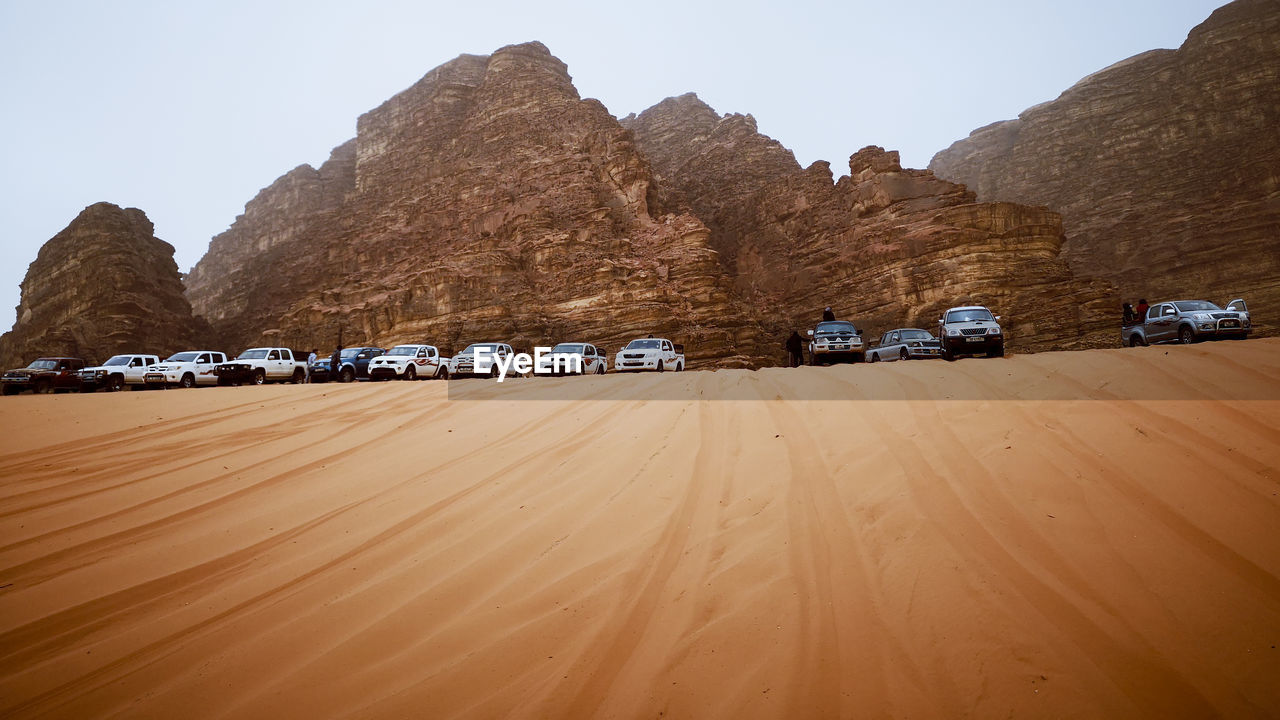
298, 376
995, 352
948, 354
347, 375
10, 390
679, 367
410, 373
660, 366
904, 355
600, 369
875, 357
259, 377
1135, 340
42, 387
442, 373
188, 381
115, 383
1186, 335
859, 358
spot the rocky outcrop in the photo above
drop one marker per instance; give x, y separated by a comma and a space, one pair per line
490, 202
1166, 166
885, 246
487, 202
102, 286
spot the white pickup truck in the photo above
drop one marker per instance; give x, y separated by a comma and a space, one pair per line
186, 369
410, 362
117, 372
260, 365
656, 354
468, 364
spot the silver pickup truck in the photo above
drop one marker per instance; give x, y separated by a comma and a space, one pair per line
1188, 321
905, 344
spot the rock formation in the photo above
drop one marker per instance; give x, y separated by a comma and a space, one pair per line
102, 286
1166, 166
884, 246
487, 202
490, 202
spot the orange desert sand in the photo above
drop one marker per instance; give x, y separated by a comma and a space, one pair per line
379, 550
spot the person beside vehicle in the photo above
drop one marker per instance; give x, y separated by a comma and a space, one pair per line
795, 350
1142, 310
311, 361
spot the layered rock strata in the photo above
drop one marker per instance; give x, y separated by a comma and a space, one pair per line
104, 285
1165, 167
884, 246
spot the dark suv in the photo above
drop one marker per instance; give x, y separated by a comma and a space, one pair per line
354, 365
45, 375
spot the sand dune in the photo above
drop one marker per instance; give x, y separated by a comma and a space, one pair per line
383, 551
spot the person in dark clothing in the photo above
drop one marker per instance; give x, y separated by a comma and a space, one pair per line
1130, 317
1142, 310
795, 349
335, 363
827, 315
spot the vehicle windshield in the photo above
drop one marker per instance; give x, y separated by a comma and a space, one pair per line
471, 349
349, 353
838, 326
183, 357
916, 335
255, 354
1196, 306
644, 345
409, 350
567, 348
43, 365
118, 360
975, 315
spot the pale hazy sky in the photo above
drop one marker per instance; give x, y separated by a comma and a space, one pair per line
187, 109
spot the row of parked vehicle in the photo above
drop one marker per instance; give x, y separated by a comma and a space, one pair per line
975, 330
257, 366
965, 330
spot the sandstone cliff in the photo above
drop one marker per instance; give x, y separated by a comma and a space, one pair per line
487, 202
1165, 167
102, 286
884, 246
490, 202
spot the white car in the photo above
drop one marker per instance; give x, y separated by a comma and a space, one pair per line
117, 372
410, 362
591, 360
657, 354
465, 363
186, 369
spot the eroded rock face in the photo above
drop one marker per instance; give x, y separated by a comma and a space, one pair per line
487, 202
884, 246
104, 285
1165, 167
